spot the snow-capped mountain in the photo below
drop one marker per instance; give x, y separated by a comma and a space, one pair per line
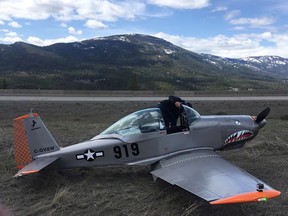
272, 65
133, 61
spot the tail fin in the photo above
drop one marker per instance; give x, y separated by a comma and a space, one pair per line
32, 138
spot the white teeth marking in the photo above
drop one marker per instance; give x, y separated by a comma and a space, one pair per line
238, 136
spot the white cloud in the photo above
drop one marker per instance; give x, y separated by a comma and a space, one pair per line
14, 24
253, 22
12, 34
73, 31
231, 14
280, 7
94, 24
64, 10
46, 42
31, 9
9, 37
36, 41
239, 28
240, 45
4, 30
64, 25
10, 40
219, 9
266, 35
2, 22
181, 4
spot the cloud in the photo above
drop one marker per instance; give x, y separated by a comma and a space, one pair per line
219, 9
94, 24
2, 22
253, 22
14, 24
231, 14
280, 7
63, 10
9, 37
12, 34
46, 42
73, 31
181, 4
64, 25
10, 40
239, 28
239, 45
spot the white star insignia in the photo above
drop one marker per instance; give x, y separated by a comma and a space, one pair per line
89, 155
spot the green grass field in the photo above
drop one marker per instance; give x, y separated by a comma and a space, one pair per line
131, 190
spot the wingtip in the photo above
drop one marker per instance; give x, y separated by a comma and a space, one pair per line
248, 197
21, 173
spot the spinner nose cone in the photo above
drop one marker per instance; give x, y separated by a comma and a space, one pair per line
260, 118
262, 123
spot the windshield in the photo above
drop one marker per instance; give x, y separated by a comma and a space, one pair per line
143, 121
191, 114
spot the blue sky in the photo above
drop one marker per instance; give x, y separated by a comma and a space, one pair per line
234, 28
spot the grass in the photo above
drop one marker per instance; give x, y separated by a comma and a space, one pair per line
192, 208
131, 190
284, 117
60, 198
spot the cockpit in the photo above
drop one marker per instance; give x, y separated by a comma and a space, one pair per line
145, 121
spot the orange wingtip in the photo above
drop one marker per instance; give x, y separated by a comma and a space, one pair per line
29, 172
248, 197
25, 173
26, 116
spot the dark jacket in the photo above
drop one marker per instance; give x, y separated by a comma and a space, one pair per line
169, 111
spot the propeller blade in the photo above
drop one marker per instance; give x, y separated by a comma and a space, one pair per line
261, 116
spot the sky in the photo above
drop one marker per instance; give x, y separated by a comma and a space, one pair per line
227, 28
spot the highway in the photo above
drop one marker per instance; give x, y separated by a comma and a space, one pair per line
95, 99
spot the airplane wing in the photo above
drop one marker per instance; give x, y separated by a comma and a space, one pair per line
207, 175
36, 165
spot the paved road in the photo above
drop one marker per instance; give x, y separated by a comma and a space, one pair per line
91, 99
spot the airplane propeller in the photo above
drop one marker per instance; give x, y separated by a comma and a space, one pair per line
261, 116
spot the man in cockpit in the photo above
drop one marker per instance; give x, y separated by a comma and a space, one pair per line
171, 110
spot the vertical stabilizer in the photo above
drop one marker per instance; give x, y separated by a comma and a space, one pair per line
21, 148
32, 138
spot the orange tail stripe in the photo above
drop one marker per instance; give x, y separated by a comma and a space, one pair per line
21, 147
26, 116
248, 197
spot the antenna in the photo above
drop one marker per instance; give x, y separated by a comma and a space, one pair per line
31, 112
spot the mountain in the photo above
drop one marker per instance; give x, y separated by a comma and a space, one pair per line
132, 61
273, 65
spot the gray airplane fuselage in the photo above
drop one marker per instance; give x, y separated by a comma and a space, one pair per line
149, 142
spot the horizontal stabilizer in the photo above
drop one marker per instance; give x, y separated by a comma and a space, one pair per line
36, 165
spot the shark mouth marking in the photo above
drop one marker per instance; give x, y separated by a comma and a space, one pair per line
239, 136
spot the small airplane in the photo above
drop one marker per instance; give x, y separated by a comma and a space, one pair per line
182, 157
